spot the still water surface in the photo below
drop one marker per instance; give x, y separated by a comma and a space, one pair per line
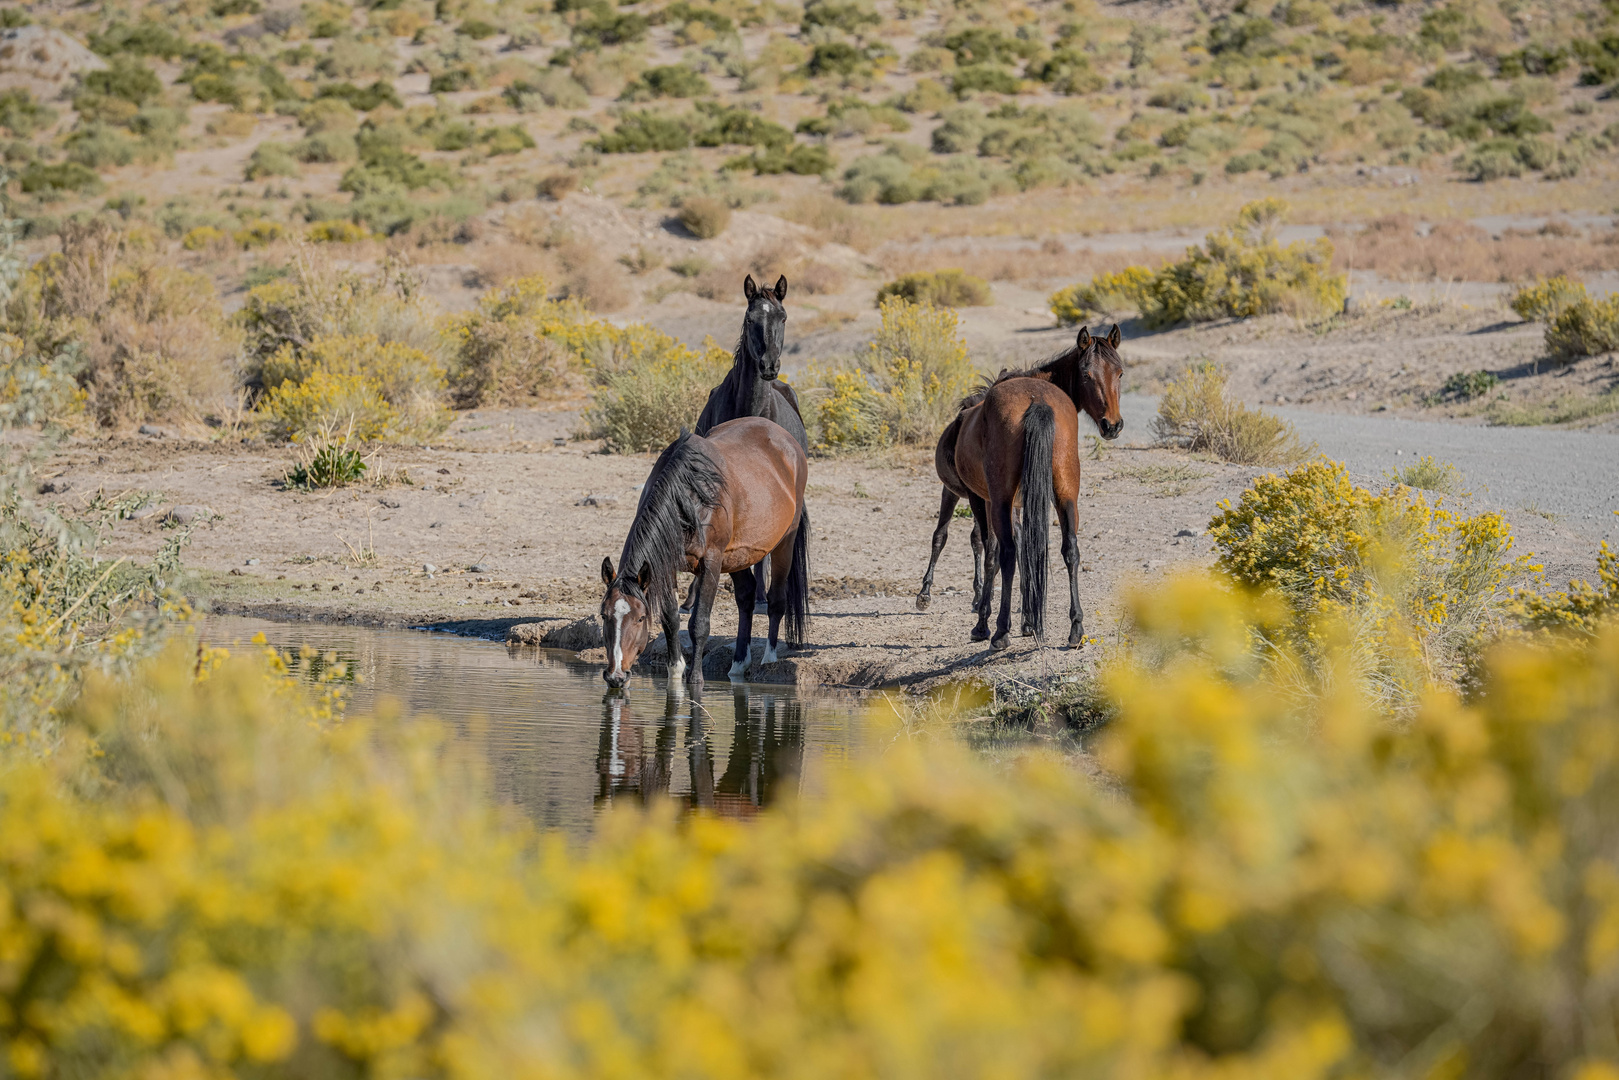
560, 747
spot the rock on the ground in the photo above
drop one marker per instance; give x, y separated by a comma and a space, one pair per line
579, 634
185, 514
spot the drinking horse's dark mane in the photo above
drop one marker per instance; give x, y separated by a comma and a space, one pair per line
684, 483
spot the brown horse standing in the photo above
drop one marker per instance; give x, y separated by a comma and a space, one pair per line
1074, 373
1021, 443
714, 505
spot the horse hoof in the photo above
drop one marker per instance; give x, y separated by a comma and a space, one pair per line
1076, 636
1000, 642
738, 672
1028, 631
980, 633
923, 601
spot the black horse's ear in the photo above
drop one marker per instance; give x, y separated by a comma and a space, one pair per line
607, 570
1084, 339
1113, 337
781, 287
749, 289
644, 578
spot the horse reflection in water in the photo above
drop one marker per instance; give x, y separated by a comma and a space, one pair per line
636, 760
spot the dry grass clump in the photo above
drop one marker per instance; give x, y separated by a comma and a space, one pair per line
940, 288
591, 276
511, 349
1195, 413
318, 299
655, 387
153, 340
902, 390
705, 217
1461, 251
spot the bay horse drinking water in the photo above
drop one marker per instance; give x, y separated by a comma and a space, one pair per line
712, 506
752, 387
1018, 440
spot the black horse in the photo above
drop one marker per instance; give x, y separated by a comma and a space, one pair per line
753, 387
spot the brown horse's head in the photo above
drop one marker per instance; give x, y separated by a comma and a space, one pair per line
1100, 370
626, 621
764, 327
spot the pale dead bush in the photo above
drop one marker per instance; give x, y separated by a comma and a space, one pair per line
834, 220
499, 263
1460, 251
155, 342
593, 278
818, 278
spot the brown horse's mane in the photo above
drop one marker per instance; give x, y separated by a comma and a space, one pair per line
684, 483
1045, 370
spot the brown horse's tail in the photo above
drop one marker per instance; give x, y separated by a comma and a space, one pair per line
798, 581
1039, 435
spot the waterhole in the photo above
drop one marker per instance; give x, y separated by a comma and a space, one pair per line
559, 746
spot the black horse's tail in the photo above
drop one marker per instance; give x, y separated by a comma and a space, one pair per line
798, 581
1039, 435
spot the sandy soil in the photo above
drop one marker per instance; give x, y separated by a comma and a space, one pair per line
515, 527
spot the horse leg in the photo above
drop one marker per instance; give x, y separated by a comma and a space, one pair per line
742, 582
986, 595
708, 583
760, 584
941, 533
977, 538
675, 653
1006, 541
1068, 516
781, 566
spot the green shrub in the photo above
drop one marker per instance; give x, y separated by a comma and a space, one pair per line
668, 81
331, 465
271, 159
39, 179
939, 288
1543, 301
1587, 327
505, 139
364, 99
325, 148
902, 390
642, 132
1195, 413
902, 174
477, 29
1181, 97
1468, 385
1426, 474
125, 78
704, 217
984, 78
21, 115
801, 160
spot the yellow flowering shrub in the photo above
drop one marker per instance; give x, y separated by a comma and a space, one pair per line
214, 878
203, 237
339, 231
903, 389
1543, 301
257, 234
1415, 586
1582, 609
1124, 290
643, 405
1237, 272
355, 383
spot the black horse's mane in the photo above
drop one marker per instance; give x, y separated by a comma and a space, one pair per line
684, 483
